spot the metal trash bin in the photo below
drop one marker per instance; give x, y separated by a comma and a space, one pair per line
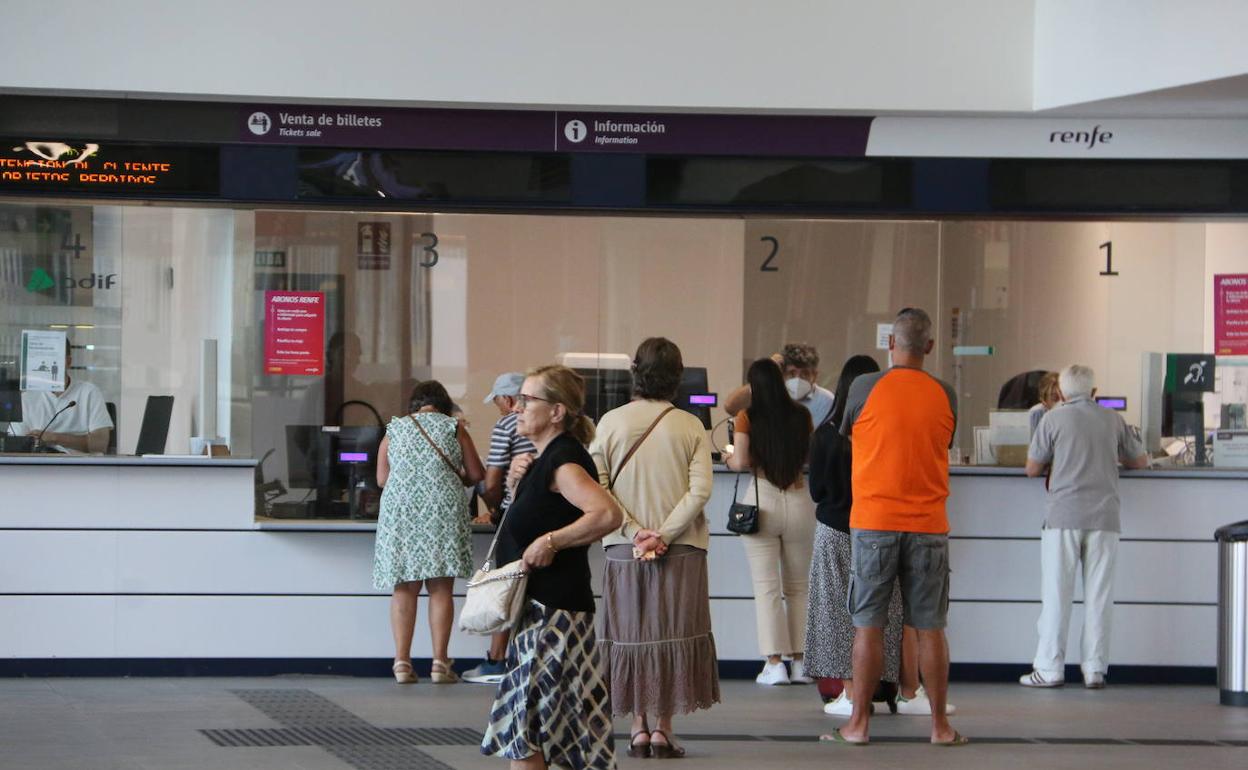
1233, 613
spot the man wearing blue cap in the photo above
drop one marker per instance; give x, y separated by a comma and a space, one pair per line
505, 446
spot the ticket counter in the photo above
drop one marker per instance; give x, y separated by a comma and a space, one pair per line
136, 559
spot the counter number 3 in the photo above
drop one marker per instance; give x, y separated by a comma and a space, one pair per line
428, 249
767, 267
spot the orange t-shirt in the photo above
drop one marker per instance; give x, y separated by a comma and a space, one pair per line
901, 423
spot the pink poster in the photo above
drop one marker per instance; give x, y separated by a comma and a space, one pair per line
1230, 314
294, 332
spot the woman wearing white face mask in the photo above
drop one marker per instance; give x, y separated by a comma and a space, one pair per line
800, 364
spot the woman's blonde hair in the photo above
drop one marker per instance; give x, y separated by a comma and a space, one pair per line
1048, 388
561, 385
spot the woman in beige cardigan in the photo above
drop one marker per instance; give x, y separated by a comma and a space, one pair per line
655, 600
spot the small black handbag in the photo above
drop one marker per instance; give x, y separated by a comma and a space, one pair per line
743, 517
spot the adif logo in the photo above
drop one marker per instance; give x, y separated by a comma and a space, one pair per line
39, 281
259, 123
575, 131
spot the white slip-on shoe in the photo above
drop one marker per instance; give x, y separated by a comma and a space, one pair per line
1036, 679
773, 673
841, 707
1094, 681
798, 675
919, 705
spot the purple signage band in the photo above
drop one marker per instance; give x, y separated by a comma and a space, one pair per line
353, 457
696, 134
389, 128
546, 131
703, 399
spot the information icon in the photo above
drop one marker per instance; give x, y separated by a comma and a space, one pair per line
575, 131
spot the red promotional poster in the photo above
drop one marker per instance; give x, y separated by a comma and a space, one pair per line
1230, 314
294, 332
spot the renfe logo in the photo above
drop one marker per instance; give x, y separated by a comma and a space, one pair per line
1079, 137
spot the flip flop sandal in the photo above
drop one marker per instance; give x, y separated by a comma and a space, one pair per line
836, 738
666, 749
639, 750
958, 740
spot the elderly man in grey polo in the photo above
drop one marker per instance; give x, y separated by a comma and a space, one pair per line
1083, 442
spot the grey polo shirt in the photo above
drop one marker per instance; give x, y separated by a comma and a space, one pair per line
1084, 442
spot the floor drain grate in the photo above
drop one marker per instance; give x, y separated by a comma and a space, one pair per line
345, 736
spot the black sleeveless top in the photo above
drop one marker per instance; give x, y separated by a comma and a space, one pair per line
565, 584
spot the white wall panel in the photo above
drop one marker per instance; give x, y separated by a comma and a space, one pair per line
58, 626
50, 562
1009, 570
988, 632
553, 52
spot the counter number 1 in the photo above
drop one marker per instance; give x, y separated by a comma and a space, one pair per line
1109, 258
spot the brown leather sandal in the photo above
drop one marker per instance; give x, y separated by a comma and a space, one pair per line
666, 749
639, 750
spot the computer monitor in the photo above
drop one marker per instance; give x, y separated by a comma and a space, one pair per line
155, 428
605, 389
353, 450
10, 402
305, 446
692, 395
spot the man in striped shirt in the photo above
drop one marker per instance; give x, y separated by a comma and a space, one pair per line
505, 446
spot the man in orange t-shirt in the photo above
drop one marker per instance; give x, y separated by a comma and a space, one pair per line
901, 422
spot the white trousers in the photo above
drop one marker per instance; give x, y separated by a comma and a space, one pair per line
779, 558
1062, 552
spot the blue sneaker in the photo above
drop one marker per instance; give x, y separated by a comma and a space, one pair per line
486, 672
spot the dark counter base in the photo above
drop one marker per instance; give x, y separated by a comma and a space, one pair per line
373, 667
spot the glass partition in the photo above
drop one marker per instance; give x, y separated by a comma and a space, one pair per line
203, 304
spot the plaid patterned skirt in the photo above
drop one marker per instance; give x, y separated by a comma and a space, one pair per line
554, 699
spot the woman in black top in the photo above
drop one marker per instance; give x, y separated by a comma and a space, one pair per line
553, 706
830, 635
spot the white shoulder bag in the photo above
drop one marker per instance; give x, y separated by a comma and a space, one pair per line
495, 597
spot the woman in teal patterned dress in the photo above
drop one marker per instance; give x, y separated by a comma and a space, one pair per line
423, 537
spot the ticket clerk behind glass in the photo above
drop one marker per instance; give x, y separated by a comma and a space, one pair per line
83, 427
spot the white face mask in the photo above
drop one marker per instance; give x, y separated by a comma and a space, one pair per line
799, 388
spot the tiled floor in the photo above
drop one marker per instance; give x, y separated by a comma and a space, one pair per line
370, 724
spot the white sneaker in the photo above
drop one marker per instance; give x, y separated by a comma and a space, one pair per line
919, 705
1036, 679
773, 673
841, 707
799, 675
1094, 681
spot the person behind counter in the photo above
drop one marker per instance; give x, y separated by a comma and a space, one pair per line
800, 364
423, 536
1084, 443
83, 427
773, 440
656, 624
554, 705
1050, 396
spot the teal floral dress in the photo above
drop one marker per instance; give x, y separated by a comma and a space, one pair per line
423, 530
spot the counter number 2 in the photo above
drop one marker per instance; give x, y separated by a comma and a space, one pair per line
428, 249
767, 267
